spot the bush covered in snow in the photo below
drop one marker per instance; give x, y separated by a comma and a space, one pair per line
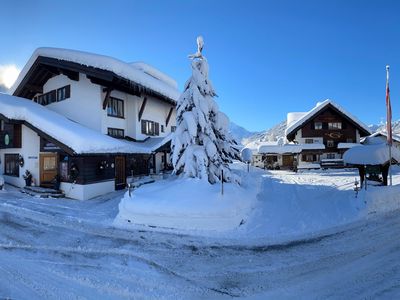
202, 146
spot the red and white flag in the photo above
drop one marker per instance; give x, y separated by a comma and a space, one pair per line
388, 110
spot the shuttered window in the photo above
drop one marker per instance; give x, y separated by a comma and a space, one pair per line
63, 93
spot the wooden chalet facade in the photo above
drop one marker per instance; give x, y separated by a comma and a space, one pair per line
315, 139
135, 108
328, 125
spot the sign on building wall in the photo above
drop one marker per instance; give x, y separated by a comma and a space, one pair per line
47, 146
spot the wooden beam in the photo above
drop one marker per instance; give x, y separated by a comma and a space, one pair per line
142, 107
71, 74
169, 116
34, 88
106, 98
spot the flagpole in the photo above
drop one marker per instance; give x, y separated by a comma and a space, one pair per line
389, 126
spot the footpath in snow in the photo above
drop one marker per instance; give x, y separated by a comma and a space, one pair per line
268, 206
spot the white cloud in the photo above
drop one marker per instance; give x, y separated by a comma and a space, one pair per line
8, 75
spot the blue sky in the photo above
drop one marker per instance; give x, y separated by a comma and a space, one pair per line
266, 58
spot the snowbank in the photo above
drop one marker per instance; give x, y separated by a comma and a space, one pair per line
376, 154
189, 204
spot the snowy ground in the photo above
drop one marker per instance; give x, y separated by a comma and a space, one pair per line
58, 248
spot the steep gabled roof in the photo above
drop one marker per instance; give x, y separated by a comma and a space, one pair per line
106, 70
71, 136
305, 117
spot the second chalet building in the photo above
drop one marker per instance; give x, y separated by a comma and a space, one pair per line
315, 139
87, 120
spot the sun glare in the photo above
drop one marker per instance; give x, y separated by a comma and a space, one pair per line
8, 75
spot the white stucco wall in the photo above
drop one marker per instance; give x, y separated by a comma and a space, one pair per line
30, 152
157, 111
85, 104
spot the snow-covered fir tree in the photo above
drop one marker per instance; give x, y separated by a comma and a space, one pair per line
202, 146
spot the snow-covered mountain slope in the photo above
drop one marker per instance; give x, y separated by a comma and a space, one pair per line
240, 133
382, 127
272, 134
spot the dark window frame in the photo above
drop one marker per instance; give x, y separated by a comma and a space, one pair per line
116, 132
113, 108
330, 155
173, 128
151, 128
335, 125
319, 127
13, 159
330, 143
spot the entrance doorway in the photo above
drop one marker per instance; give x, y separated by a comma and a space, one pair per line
48, 168
120, 178
287, 161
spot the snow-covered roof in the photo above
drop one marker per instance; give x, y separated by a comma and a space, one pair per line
347, 145
314, 146
294, 117
254, 146
370, 155
289, 148
80, 139
152, 71
303, 118
395, 137
140, 73
153, 143
286, 148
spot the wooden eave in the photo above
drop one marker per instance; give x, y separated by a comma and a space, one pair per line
45, 68
361, 130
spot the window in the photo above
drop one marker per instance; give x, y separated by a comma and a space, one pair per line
54, 96
11, 165
173, 128
64, 93
115, 132
47, 98
115, 107
330, 155
318, 125
1, 125
330, 143
150, 127
309, 157
335, 125
162, 128
309, 141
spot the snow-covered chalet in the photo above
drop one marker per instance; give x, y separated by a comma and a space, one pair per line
91, 121
317, 138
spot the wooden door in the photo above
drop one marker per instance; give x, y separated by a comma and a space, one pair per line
48, 168
120, 178
287, 160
